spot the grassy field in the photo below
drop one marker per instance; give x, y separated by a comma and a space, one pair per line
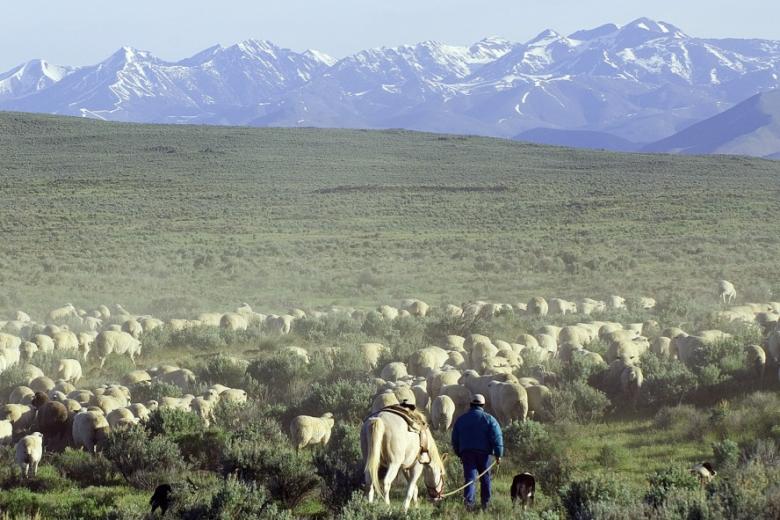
173, 218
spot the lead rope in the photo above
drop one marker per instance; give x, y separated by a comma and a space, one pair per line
467, 484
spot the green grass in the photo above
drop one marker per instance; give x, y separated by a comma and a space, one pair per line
173, 218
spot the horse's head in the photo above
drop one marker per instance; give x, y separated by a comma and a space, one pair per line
435, 474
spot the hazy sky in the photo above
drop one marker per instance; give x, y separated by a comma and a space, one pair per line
79, 32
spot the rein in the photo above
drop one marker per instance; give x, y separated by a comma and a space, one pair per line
464, 486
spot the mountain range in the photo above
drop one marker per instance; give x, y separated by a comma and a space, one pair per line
646, 85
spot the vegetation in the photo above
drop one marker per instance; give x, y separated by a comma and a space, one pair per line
173, 221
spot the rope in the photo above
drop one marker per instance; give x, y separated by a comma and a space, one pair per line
467, 484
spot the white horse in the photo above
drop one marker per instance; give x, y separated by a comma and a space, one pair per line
386, 442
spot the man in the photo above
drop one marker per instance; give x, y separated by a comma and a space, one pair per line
475, 437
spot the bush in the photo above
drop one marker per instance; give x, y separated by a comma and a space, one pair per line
526, 442
581, 498
173, 423
683, 420
577, 402
611, 456
155, 391
349, 400
358, 508
273, 465
281, 374
223, 370
726, 454
235, 499
143, 461
84, 468
667, 381
663, 482
340, 466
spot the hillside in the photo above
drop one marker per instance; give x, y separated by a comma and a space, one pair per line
750, 128
174, 218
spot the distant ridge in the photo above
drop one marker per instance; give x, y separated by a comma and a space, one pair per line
750, 128
578, 139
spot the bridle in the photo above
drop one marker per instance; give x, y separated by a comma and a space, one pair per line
435, 492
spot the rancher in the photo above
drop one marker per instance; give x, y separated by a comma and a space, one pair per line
475, 437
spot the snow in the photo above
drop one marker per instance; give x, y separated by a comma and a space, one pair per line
525, 97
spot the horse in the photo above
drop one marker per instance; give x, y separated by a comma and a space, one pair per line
523, 489
387, 442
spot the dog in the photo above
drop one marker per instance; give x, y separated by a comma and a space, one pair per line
523, 489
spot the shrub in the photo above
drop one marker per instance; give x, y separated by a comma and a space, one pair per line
611, 456
375, 326
340, 466
726, 454
283, 472
577, 402
358, 508
580, 498
223, 370
684, 420
663, 482
349, 400
667, 381
235, 499
84, 468
280, 373
526, 442
155, 391
172, 423
143, 461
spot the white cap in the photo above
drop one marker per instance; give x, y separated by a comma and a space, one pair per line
478, 399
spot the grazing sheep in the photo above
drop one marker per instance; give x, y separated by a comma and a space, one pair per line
118, 342
65, 340
21, 395
45, 343
726, 291
6, 432
89, 428
133, 328
306, 430
371, 353
509, 401
755, 360
383, 400
537, 306
121, 418
29, 451
21, 416
182, 377
69, 370
442, 413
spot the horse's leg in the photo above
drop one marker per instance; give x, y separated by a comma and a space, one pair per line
411, 491
392, 472
408, 475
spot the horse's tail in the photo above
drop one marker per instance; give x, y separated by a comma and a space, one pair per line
376, 432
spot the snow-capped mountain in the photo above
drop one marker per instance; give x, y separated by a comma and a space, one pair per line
217, 85
29, 78
640, 83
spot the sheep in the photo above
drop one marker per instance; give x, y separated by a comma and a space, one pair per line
89, 427
117, 342
133, 328
6, 432
442, 412
29, 451
69, 370
20, 416
306, 430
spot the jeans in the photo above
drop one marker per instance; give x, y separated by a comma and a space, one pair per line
474, 463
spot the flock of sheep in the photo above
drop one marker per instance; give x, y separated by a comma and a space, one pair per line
51, 411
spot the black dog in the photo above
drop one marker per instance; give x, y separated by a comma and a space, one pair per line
523, 489
161, 498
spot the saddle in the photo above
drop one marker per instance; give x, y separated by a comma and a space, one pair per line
416, 423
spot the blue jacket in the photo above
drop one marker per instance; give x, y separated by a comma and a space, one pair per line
477, 430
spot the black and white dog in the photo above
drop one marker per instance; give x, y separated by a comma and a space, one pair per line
523, 489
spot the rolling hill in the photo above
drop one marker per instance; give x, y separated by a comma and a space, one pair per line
180, 218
